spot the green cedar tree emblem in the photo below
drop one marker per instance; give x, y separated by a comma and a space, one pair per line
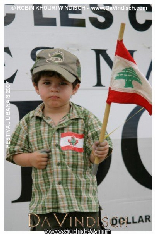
128, 74
73, 141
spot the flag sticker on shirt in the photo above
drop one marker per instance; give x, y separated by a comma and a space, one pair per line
72, 141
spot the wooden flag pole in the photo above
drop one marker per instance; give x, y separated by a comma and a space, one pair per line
103, 128
107, 108
121, 31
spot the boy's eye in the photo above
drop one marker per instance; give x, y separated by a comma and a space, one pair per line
63, 83
46, 82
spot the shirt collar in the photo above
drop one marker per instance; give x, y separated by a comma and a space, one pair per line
39, 110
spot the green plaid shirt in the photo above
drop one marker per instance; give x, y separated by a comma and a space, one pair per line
67, 183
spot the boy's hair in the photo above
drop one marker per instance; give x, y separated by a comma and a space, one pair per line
37, 76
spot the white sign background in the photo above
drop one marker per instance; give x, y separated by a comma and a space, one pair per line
119, 194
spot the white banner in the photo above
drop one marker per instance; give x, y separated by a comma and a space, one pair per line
90, 32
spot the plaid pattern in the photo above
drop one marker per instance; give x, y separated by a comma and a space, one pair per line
67, 183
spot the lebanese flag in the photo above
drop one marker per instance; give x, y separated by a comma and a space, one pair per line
128, 85
72, 141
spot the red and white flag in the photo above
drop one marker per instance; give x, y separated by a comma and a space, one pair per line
128, 85
72, 141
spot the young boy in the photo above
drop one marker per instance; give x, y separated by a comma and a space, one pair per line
56, 140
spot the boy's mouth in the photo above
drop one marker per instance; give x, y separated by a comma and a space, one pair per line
54, 97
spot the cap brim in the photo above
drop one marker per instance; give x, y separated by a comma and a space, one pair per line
67, 75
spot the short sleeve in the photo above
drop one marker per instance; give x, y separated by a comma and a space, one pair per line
19, 141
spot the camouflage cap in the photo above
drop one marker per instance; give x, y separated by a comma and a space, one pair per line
58, 60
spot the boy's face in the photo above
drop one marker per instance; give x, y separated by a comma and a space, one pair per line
55, 91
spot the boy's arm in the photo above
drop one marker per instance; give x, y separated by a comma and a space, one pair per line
36, 159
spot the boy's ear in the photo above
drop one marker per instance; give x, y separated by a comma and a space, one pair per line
76, 88
36, 87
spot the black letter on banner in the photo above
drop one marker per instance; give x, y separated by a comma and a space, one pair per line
9, 18
106, 14
39, 20
107, 59
103, 170
71, 22
130, 152
129, 147
26, 182
10, 79
149, 71
133, 20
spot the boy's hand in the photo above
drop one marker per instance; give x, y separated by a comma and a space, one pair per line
100, 150
39, 159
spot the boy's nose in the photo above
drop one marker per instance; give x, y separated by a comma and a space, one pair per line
54, 87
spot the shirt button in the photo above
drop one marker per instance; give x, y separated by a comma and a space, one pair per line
56, 145
59, 182
58, 164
